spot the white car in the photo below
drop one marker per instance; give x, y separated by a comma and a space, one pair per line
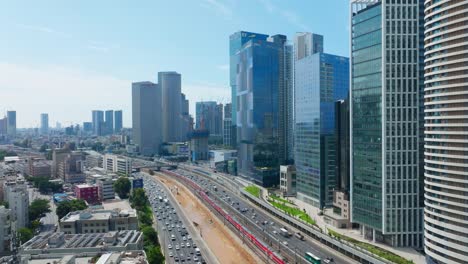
169, 246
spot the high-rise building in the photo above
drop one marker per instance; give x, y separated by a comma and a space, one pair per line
170, 85
3, 126
87, 126
306, 44
186, 121
44, 124
227, 125
109, 122
236, 42
147, 117
211, 115
386, 198
118, 121
286, 107
5, 229
446, 126
320, 80
98, 121
11, 123
259, 83
17, 195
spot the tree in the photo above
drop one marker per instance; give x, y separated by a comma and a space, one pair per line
25, 234
139, 199
154, 255
65, 207
37, 208
122, 187
150, 236
145, 218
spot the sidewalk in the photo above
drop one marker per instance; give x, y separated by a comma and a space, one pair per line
407, 253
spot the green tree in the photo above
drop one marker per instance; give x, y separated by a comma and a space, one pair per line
122, 187
139, 198
150, 236
65, 207
25, 234
37, 208
35, 225
145, 218
154, 255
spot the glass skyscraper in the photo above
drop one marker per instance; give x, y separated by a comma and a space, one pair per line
236, 42
320, 80
118, 121
385, 104
260, 77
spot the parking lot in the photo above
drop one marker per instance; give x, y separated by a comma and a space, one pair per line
176, 241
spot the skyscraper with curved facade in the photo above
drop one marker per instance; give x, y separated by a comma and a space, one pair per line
446, 131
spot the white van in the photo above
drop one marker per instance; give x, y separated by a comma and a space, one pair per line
172, 237
197, 251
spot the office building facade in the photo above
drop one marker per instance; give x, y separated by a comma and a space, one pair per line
118, 121
109, 122
170, 85
147, 117
446, 123
320, 80
11, 123
98, 122
386, 198
260, 79
227, 125
211, 115
44, 124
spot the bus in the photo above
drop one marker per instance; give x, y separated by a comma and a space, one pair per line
284, 232
312, 258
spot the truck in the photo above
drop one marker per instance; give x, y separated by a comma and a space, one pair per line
160, 198
284, 232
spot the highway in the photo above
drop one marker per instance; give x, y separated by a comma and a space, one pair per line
264, 226
179, 242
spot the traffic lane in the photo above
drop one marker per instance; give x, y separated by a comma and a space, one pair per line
295, 244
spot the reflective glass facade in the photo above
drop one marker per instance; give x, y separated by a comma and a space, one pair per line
257, 92
386, 122
320, 80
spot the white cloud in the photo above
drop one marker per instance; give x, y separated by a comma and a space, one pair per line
290, 16
220, 7
223, 67
67, 94
44, 29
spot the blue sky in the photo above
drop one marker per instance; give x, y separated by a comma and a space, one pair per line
69, 57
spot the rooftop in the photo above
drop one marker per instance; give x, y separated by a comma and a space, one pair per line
97, 215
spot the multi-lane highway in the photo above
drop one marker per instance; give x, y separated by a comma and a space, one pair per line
293, 246
179, 243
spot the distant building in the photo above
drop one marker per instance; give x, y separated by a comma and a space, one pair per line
38, 167
98, 121
44, 124
227, 125
147, 117
170, 84
71, 169
88, 127
288, 180
98, 221
59, 243
118, 121
187, 120
11, 123
17, 196
117, 164
199, 145
109, 122
3, 126
106, 188
87, 192
211, 115
219, 159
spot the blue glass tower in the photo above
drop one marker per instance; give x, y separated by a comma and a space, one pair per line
320, 80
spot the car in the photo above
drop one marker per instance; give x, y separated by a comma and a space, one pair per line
274, 232
169, 246
285, 243
328, 260
176, 259
194, 245
184, 238
195, 258
188, 244
177, 247
182, 245
170, 254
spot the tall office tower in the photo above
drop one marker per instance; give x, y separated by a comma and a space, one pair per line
205, 112
88, 127
109, 122
44, 124
260, 78
446, 140
118, 121
98, 121
320, 80
3, 126
170, 84
385, 103
218, 120
306, 44
147, 117
236, 42
11, 123
186, 119
286, 106
227, 125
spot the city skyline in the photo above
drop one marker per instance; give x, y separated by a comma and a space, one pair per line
69, 54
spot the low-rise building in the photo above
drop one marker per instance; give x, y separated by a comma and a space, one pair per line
288, 180
68, 244
106, 188
38, 167
219, 159
117, 164
71, 168
89, 193
126, 257
98, 221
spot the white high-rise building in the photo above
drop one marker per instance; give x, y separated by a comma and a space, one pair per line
445, 131
18, 201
